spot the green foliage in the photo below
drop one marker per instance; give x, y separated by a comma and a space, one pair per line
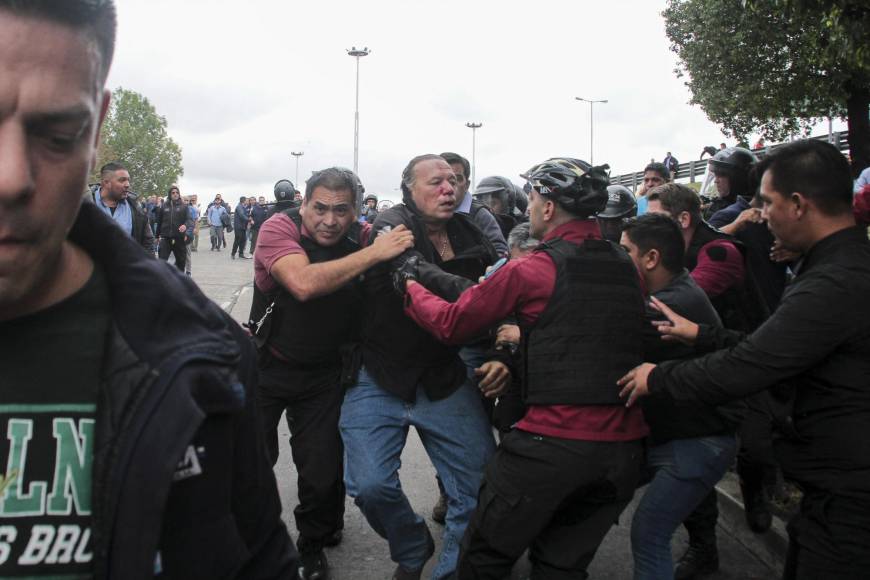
773, 67
135, 135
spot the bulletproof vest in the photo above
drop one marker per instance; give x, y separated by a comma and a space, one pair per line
310, 333
742, 308
590, 333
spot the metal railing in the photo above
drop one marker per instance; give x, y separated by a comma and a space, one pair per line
689, 171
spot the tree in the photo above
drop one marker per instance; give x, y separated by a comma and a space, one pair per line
776, 67
135, 135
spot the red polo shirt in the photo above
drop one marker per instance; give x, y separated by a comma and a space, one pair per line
524, 287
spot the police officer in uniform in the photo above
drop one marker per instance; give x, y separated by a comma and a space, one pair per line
728, 171
561, 478
497, 194
285, 193
620, 206
307, 267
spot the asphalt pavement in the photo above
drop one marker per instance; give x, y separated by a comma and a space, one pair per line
363, 555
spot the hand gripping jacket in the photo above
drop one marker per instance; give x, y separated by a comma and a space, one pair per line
310, 334
591, 332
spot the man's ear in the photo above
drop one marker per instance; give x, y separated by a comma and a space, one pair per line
651, 259
549, 210
799, 204
684, 219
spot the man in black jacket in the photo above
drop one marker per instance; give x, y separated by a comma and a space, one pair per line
137, 452
690, 446
410, 379
173, 221
815, 346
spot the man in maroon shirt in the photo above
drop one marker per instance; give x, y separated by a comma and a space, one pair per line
307, 266
562, 477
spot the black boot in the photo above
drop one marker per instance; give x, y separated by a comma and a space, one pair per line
698, 560
756, 508
313, 565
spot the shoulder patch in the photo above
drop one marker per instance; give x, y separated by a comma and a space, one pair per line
717, 253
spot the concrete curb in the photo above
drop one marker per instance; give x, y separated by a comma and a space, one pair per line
771, 546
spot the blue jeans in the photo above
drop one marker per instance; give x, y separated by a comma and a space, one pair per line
684, 472
456, 435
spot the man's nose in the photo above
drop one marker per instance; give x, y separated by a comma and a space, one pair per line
16, 173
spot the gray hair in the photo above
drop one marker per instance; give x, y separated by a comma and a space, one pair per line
409, 174
335, 179
521, 238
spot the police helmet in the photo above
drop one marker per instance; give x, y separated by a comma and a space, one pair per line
735, 163
284, 190
572, 183
370, 196
620, 203
497, 187
521, 199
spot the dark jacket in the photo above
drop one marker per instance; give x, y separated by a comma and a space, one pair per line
818, 342
396, 352
668, 420
141, 227
259, 214
180, 380
240, 217
170, 217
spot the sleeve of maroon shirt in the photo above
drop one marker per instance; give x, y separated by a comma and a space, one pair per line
278, 237
521, 285
720, 267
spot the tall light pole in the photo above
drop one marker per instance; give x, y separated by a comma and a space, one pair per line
297, 155
591, 122
357, 53
474, 127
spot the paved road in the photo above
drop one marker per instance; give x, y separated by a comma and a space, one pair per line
364, 555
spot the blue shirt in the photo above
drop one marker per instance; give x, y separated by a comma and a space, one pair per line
214, 215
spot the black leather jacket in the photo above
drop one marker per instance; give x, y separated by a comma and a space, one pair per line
179, 378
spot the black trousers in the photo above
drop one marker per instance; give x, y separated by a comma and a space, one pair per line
557, 497
255, 233
829, 539
312, 400
756, 466
176, 247
239, 240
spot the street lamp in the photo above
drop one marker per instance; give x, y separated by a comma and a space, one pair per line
297, 155
474, 127
591, 121
357, 53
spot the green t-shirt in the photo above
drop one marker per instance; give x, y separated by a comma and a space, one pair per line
49, 375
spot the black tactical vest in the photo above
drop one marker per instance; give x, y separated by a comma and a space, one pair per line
590, 333
742, 308
310, 333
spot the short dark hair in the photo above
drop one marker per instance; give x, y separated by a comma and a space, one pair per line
658, 232
95, 19
110, 168
409, 176
333, 179
659, 168
677, 198
813, 168
452, 158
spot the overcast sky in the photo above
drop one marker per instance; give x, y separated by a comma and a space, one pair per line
244, 84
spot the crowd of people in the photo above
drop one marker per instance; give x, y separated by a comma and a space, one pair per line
560, 349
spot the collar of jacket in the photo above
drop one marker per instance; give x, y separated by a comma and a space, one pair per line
157, 310
831, 245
